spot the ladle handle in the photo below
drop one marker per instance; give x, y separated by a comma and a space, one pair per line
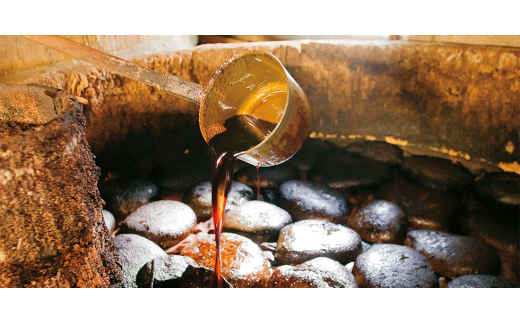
165, 82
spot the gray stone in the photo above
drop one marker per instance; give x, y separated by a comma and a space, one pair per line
110, 220
319, 272
308, 239
163, 272
453, 255
164, 222
134, 251
257, 220
393, 266
307, 200
480, 281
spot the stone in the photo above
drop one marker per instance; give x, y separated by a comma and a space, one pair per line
502, 188
319, 272
425, 208
503, 233
365, 245
164, 222
309, 239
435, 172
198, 197
110, 220
243, 264
348, 172
307, 200
134, 251
480, 281
125, 196
181, 175
379, 221
393, 266
312, 151
270, 177
452, 255
376, 150
257, 220
163, 272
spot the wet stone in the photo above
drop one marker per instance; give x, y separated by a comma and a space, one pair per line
502, 188
393, 266
379, 221
164, 222
243, 264
198, 198
425, 208
309, 239
365, 245
181, 176
270, 177
316, 273
435, 172
126, 196
347, 172
376, 150
503, 233
163, 272
256, 220
307, 200
452, 255
312, 151
480, 281
134, 251
110, 220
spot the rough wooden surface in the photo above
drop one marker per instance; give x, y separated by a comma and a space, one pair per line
52, 232
22, 58
489, 40
453, 101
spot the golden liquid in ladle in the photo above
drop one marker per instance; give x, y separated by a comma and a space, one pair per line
257, 118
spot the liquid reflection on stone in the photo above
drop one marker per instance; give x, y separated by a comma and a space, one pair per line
243, 264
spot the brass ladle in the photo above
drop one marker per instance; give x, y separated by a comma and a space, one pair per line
251, 74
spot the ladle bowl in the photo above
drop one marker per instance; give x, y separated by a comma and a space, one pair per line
247, 77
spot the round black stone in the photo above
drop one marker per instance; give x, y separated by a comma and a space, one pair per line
126, 196
270, 177
347, 172
312, 151
181, 176
425, 208
435, 172
453, 255
307, 200
502, 188
393, 266
376, 150
379, 222
480, 281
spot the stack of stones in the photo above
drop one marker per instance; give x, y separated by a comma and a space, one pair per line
359, 216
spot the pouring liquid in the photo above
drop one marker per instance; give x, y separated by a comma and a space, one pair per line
241, 133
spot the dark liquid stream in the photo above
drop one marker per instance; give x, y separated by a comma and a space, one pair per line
257, 183
241, 133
